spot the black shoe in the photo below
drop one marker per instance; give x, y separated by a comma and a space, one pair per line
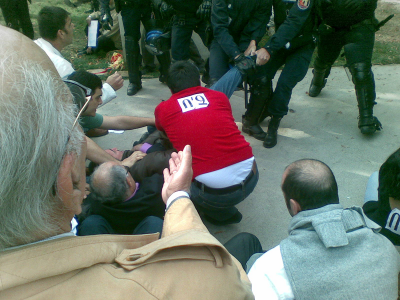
133, 89
211, 82
253, 130
271, 138
163, 78
236, 218
315, 90
368, 125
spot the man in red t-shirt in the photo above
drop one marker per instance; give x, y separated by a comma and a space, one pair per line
224, 168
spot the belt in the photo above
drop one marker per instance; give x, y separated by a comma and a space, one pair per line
228, 189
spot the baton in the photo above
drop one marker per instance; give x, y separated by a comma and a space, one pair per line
381, 23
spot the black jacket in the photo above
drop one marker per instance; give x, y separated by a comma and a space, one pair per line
237, 22
124, 217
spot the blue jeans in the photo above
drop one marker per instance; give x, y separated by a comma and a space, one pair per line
228, 83
221, 207
95, 224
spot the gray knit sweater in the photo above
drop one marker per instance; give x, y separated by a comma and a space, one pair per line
336, 253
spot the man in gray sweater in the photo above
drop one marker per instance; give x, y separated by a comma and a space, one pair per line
331, 252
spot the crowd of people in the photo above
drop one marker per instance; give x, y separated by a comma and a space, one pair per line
131, 223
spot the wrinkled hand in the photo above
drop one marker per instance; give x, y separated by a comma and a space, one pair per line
245, 65
131, 160
204, 10
137, 147
251, 49
262, 56
179, 175
116, 81
166, 10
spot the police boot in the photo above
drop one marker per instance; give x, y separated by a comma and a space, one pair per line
363, 79
272, 133
133, 63
164, 60
251, 119
321, 72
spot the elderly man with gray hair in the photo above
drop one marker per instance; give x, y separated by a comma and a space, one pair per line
118, 204
42, 188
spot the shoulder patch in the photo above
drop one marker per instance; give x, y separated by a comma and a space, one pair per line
393, 221
303, 4
195, 101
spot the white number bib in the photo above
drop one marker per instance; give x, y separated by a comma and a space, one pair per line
195, 101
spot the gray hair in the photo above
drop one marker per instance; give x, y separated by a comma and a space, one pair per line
35, 133
112, 188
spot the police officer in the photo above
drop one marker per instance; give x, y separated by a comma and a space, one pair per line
292, 45
189, 16
349, 24
16, 16
133, 12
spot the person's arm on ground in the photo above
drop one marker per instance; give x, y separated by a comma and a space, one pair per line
98, 155
126, 122
181, 214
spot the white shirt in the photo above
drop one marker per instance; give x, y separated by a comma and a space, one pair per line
65, 68
268, 277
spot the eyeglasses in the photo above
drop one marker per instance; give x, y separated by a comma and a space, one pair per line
88, 93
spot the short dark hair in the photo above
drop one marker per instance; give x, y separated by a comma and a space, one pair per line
51, 19
111, 192
311, 183
182, 75
389, 179
89, 80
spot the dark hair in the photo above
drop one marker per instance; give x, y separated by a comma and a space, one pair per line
111, 192
182, 75
51, 19
311, 183
389, 179
90, 80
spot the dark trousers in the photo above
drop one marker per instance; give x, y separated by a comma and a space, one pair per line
296, 65
358, 43
96, 224
219, 206
182, 34
219, 61
16, 16
242, 246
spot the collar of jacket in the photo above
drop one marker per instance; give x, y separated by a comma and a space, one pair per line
332, 223
72, 254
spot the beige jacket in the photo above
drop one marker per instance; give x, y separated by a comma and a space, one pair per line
186, 263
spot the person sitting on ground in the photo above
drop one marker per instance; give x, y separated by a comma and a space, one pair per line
108, 38
382, 198
57, 31
118, 204
81, 82
331, 252
44, 187
225, 172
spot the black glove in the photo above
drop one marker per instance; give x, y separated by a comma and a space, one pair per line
166, 10
246, 65
204, 10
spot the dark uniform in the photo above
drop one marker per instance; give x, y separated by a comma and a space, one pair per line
235, 24
292, 45
16, 16
186, 20
133, 12
356, 33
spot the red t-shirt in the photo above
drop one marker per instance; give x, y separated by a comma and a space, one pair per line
202, 118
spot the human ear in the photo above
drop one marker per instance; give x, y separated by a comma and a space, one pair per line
295, 207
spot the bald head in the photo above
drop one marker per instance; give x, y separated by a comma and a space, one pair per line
310, 183
111, 183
